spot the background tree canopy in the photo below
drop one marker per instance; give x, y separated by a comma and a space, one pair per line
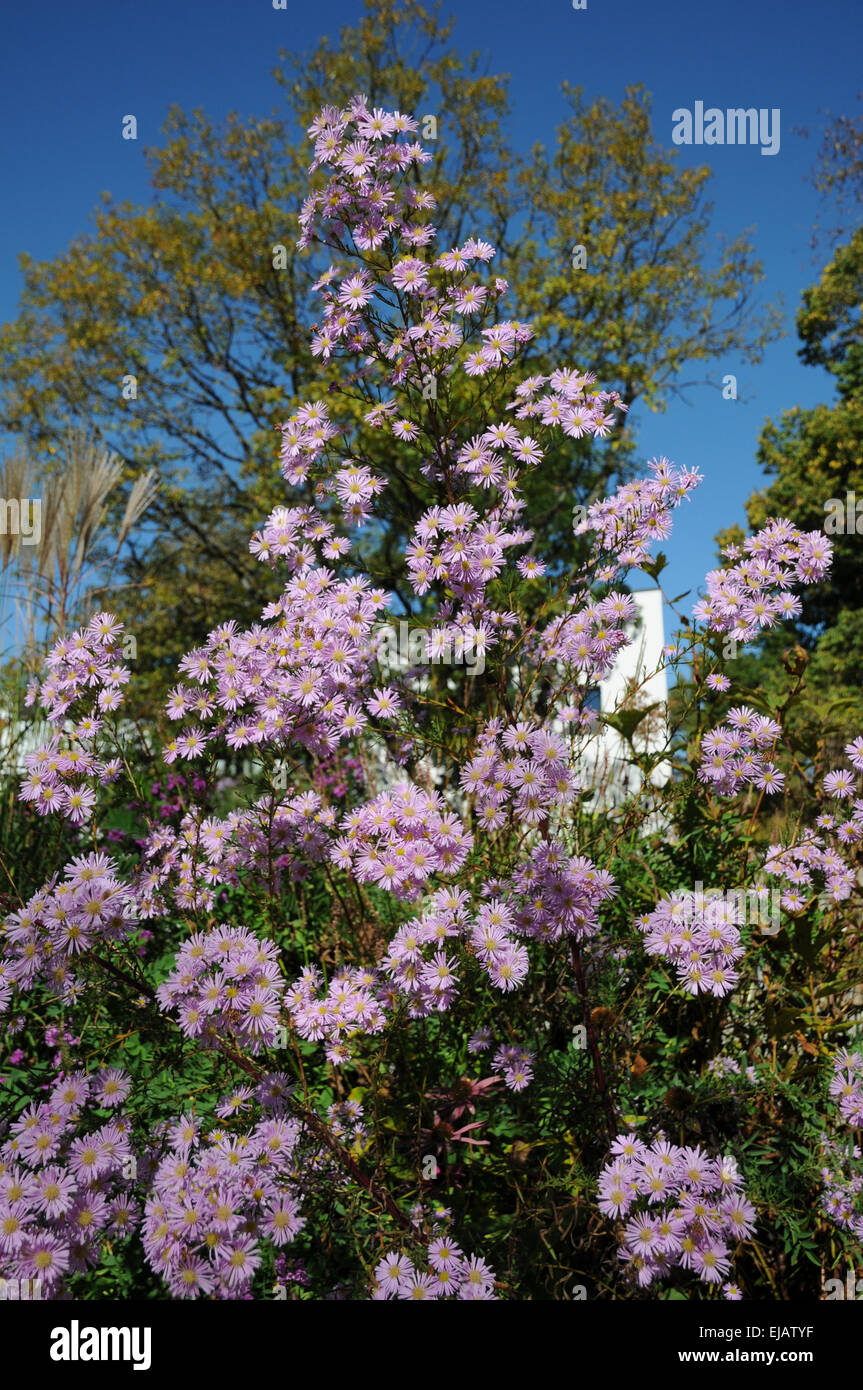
814, 459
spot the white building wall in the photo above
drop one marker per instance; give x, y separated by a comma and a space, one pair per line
637, 680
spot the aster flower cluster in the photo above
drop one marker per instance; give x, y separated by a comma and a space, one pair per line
638, 513
226, 985
842, 1185
589, 638
41, 941
65, 1183
466, 549
728, 1069
85, 673
755, 593
443, 1272
741, 753
700, 936
797, 865
492, 938
429, 981
553, 894
400, 839
456, 547
846, 1086
416, 960
215, 1200
185, 865
352, 1004
519, 772
683, 1208
842, 1171
269, 840
85, 664
370, 204
298, 675
515, 1065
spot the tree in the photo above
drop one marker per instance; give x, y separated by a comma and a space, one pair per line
838, 174
815, 460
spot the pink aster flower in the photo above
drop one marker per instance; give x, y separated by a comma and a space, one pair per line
839, 784
392, 1272
112, 1086
240, 1262
44, 1256
282, 1220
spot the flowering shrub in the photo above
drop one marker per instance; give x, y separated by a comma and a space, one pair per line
409, 868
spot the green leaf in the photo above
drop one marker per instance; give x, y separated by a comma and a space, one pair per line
655, 567
626, 721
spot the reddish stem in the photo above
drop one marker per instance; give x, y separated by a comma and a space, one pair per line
593, 1046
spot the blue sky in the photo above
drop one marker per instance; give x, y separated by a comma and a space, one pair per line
69, 73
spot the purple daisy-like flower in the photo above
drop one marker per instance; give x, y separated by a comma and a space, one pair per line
112, 1086
242, 1259
839, 784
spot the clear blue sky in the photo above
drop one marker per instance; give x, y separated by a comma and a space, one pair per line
69, 73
